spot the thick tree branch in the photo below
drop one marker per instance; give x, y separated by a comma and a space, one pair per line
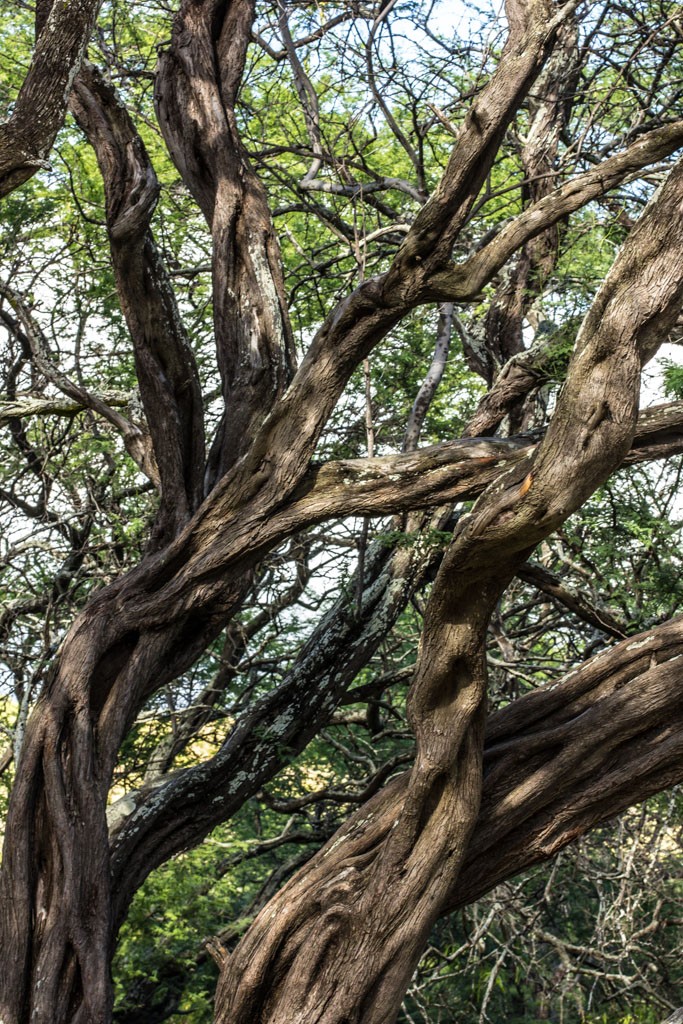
23, 405
620, 713
196, 91
566, 758
454, 470
466, 280
365, 317
533, 26
181, 809
361, 320
380, 895
562, 760
26, 138
395, 883
326, 667
165, 363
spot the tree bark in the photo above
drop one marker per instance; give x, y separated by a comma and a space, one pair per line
165, 364
62, 34
341, 942
196, 92
61, 891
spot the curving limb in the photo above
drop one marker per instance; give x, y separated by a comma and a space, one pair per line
165, 363
383, 893
261, 487
63, 31
196, 92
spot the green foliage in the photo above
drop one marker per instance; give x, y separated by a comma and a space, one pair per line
560, 346
673, 379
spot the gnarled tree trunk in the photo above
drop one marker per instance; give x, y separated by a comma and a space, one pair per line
342, 939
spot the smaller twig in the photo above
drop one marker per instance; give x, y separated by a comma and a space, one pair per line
136, 444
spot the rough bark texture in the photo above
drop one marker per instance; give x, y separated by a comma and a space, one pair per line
26, 138
165, 363
341, 940
372, 902
196, 91
567, 758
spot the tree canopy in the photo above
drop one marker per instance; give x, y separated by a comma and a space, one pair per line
340, 573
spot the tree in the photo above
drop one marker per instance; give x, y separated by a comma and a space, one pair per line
558, 126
